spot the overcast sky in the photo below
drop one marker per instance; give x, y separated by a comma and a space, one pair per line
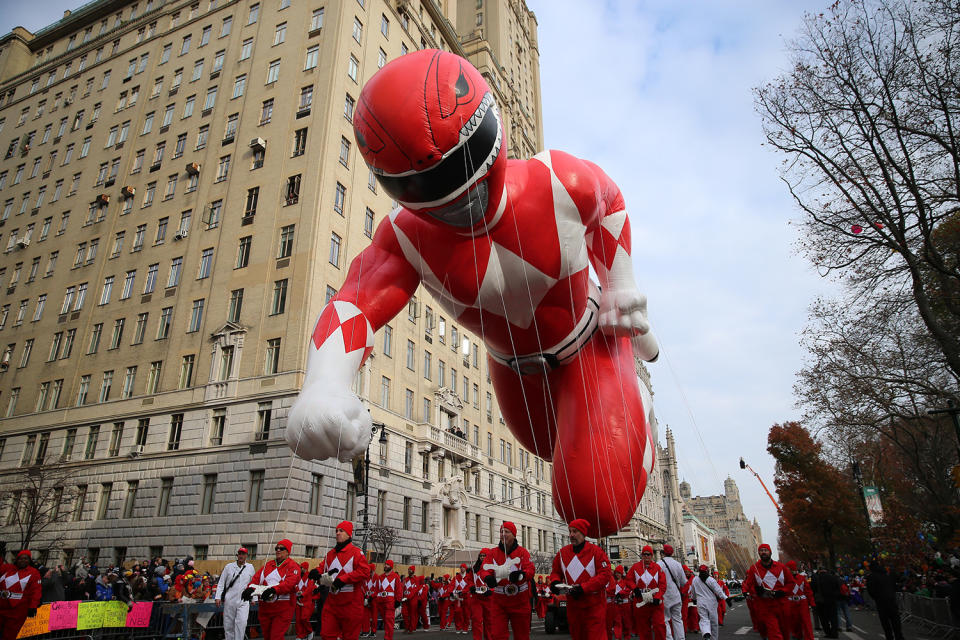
658, 93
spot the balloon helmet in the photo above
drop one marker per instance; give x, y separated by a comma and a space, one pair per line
428, 127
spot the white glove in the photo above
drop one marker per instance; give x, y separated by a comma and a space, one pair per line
326, 422
647, 597
327, 579
502, 571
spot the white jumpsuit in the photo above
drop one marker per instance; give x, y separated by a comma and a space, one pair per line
235, 610
672, 600
708, 594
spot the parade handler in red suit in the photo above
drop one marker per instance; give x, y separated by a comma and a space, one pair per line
411, 589
478, 598
386, 593
346, 570
691, 615
277, 602
648, 583
586, 569
770, 583
423, 603
20, 594
506, 248
305, 603
722, 604
800, 603
368, 624
618, 606
508, 571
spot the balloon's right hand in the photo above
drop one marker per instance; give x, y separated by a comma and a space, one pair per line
327, 422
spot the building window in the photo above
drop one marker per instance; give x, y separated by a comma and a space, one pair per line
209, 493
243, 252
186, 371
286, 241
316, 495
316, 20
163, 504
176, 430
273, 71
206, 263
272, 364
344, 151
279, 304
299, 142
280, 34
196, 315
368, 223
334, 257
130, 502
218, 423
253, 197
313, 54
293, 189
255, 495
357, 30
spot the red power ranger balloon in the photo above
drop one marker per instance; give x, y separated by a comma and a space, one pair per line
506, 248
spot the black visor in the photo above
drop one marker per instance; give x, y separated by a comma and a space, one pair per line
453, 172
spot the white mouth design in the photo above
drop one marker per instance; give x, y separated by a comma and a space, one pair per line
475, 119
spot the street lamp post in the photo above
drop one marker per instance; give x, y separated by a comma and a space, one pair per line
377, 426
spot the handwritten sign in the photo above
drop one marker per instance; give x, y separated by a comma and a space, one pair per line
36, 625
139, 616
114, 614
63, 615
90, 615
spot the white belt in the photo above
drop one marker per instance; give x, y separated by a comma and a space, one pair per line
385, 594
14, 596
558, 354
520, 589
286, 597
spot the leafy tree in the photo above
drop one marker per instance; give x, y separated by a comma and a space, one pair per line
820, 514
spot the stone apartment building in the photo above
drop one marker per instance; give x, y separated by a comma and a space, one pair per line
724, 515
180, 194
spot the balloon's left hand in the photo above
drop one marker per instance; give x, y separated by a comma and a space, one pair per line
624, 313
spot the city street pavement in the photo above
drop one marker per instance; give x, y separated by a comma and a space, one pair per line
866, 626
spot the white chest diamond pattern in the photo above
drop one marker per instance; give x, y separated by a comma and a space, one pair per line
647, 580
576, 568
13, 578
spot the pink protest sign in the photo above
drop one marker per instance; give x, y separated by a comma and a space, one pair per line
139, 616
63, 615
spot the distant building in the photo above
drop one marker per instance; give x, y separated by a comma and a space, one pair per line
724, 515
698, 543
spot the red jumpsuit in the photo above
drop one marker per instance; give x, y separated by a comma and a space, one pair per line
423, 603
343, 608
509, 611
543, 599
722, 605
276, 616
478, 605
560, 346
770, 607
589, 568
386, 592
648, 622
618, 609
444, 603
23, 586
690, 614
461, 620
800, 603
369, 621
411, 589
305, 605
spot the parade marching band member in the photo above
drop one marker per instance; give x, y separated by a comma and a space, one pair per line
233, 580
648, 583
508, 572
306, 595
672, 599
708, 594
423, 603
585, 567
800, 603
618, 606
20, 594
387, 593
346, 570
478, 599
280, 576
444, 594
769, 582
543, 598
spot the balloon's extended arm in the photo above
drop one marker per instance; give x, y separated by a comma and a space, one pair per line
328, 420
623, 308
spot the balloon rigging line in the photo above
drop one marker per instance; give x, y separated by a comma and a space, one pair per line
686, 404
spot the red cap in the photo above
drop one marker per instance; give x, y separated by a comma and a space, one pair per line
792, 566
703, 567
347, 526
412, 567
509, 526
580, 525
667, 550
242, 550
463, 565
304, 566
647, 549
762, 547
618, 569
286, 544
388, 563
25, 552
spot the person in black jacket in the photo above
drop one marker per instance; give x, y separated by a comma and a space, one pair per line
883, 590
826, 592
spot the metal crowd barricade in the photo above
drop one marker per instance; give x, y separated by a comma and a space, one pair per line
932, 614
